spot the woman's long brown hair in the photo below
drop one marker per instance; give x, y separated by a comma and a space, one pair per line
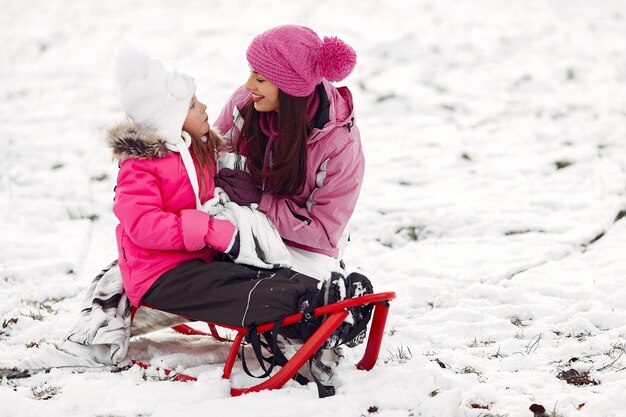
287, 174
205, 155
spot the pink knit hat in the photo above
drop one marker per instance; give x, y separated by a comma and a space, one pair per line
295, 59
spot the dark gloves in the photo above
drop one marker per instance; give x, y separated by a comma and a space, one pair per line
239, 186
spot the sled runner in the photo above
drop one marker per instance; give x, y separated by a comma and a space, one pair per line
334, 316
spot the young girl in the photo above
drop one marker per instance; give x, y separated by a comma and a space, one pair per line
166, 243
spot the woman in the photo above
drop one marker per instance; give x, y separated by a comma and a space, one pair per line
302, 146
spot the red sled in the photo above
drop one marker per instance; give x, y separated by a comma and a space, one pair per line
335, 314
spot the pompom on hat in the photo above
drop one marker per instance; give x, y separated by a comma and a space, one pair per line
295, 59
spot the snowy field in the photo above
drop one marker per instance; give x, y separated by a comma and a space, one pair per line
495, 140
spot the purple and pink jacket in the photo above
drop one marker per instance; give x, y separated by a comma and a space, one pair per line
155, 204
316, 218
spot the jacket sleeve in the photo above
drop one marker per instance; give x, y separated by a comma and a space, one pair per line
138, 206
321, 222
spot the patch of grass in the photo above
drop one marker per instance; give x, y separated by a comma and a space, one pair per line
573, 377
620, 215
100, 177
402, 355
581, 336
449, 107
35, 316
9, 278
157, 374
41, 305
413, 232
616, 352
539, 410
6, 323
516, 321
34, 344
522, 232
385, 244
497, 355
594, 240
9, 375
562, 164
441, 364
469, 370
80, 216
44, 392
533, 344
385, 97
477, 343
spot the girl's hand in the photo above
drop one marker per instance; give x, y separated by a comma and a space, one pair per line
239, 186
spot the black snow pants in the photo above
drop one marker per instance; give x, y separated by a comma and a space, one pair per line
229, 293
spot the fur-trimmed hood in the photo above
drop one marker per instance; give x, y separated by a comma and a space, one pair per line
127, 141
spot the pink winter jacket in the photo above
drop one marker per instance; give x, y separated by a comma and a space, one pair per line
316, 218
155, 204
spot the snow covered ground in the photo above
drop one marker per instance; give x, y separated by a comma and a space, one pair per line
494, 134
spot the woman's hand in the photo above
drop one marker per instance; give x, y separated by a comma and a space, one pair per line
239, 186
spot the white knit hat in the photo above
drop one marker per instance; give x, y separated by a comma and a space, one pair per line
152, 97
158, 100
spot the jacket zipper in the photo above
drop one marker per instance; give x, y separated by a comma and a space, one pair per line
349, 125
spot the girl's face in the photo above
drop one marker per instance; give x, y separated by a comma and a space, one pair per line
197, 122
264, 93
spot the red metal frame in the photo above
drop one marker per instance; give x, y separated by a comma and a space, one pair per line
335, 313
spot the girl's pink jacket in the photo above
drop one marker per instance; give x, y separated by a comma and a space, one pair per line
155, 204
316, 218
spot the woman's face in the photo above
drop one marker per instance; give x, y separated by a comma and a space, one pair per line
264, 93
197, 122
